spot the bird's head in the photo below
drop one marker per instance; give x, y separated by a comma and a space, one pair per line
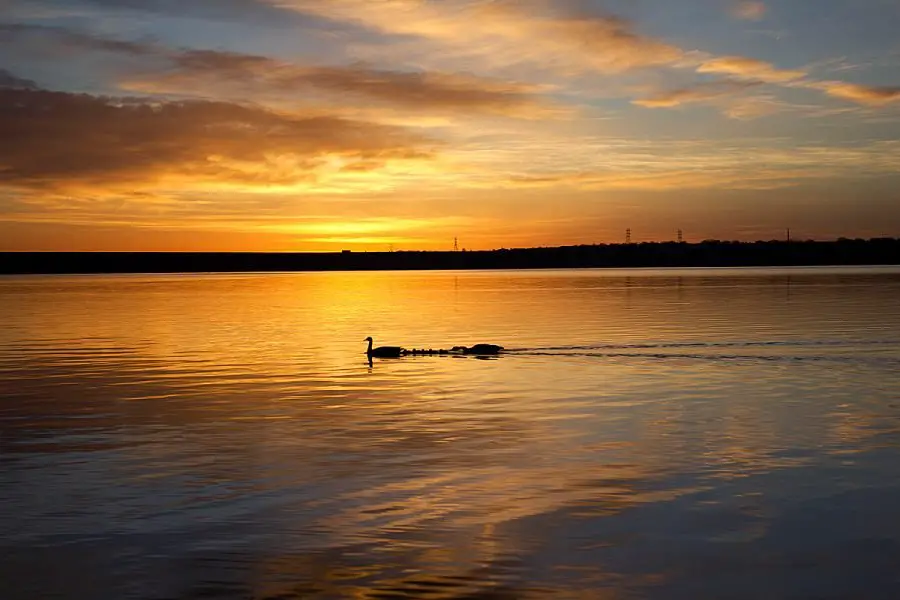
368, 339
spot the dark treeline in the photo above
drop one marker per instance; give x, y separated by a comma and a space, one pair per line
711, 253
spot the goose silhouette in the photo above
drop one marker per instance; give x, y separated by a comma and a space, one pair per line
384, 351
480, 349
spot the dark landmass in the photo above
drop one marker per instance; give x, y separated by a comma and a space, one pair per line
711, 253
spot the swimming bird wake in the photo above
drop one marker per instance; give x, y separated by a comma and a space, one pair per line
735, 344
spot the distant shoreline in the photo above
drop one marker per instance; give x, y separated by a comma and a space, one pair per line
713, 253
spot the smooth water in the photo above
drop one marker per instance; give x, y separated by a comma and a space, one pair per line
650, 434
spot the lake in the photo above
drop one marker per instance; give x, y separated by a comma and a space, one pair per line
695, 433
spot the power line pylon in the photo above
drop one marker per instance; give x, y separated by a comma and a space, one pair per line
628, 235
456, 244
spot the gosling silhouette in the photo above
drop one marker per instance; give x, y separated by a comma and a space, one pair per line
425, 351
384, 351
480, 349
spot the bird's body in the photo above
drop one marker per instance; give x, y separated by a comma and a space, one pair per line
481, 349
384, 351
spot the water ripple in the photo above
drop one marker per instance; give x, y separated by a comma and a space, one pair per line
652, 436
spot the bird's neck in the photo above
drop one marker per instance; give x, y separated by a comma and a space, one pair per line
369, 351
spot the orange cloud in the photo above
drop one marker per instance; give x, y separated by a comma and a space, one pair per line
750, 11
698, 93
656, 165
861, 94
668, 180
722, 95
752, 107
530, 31
749, 68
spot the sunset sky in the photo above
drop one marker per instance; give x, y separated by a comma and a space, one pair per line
280, 125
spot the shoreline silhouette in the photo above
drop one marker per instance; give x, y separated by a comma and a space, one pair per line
709, 253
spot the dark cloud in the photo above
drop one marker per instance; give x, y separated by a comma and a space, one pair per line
261, 12
227, 9
55, 140
204, 71
425, 89
411, 90
8, 80
11, 33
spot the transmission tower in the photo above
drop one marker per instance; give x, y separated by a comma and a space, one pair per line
680, 236
628, 235
456, 244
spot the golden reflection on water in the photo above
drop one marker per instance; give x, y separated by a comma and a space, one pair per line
641, 423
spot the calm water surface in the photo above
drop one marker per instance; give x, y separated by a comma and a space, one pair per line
651, 434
